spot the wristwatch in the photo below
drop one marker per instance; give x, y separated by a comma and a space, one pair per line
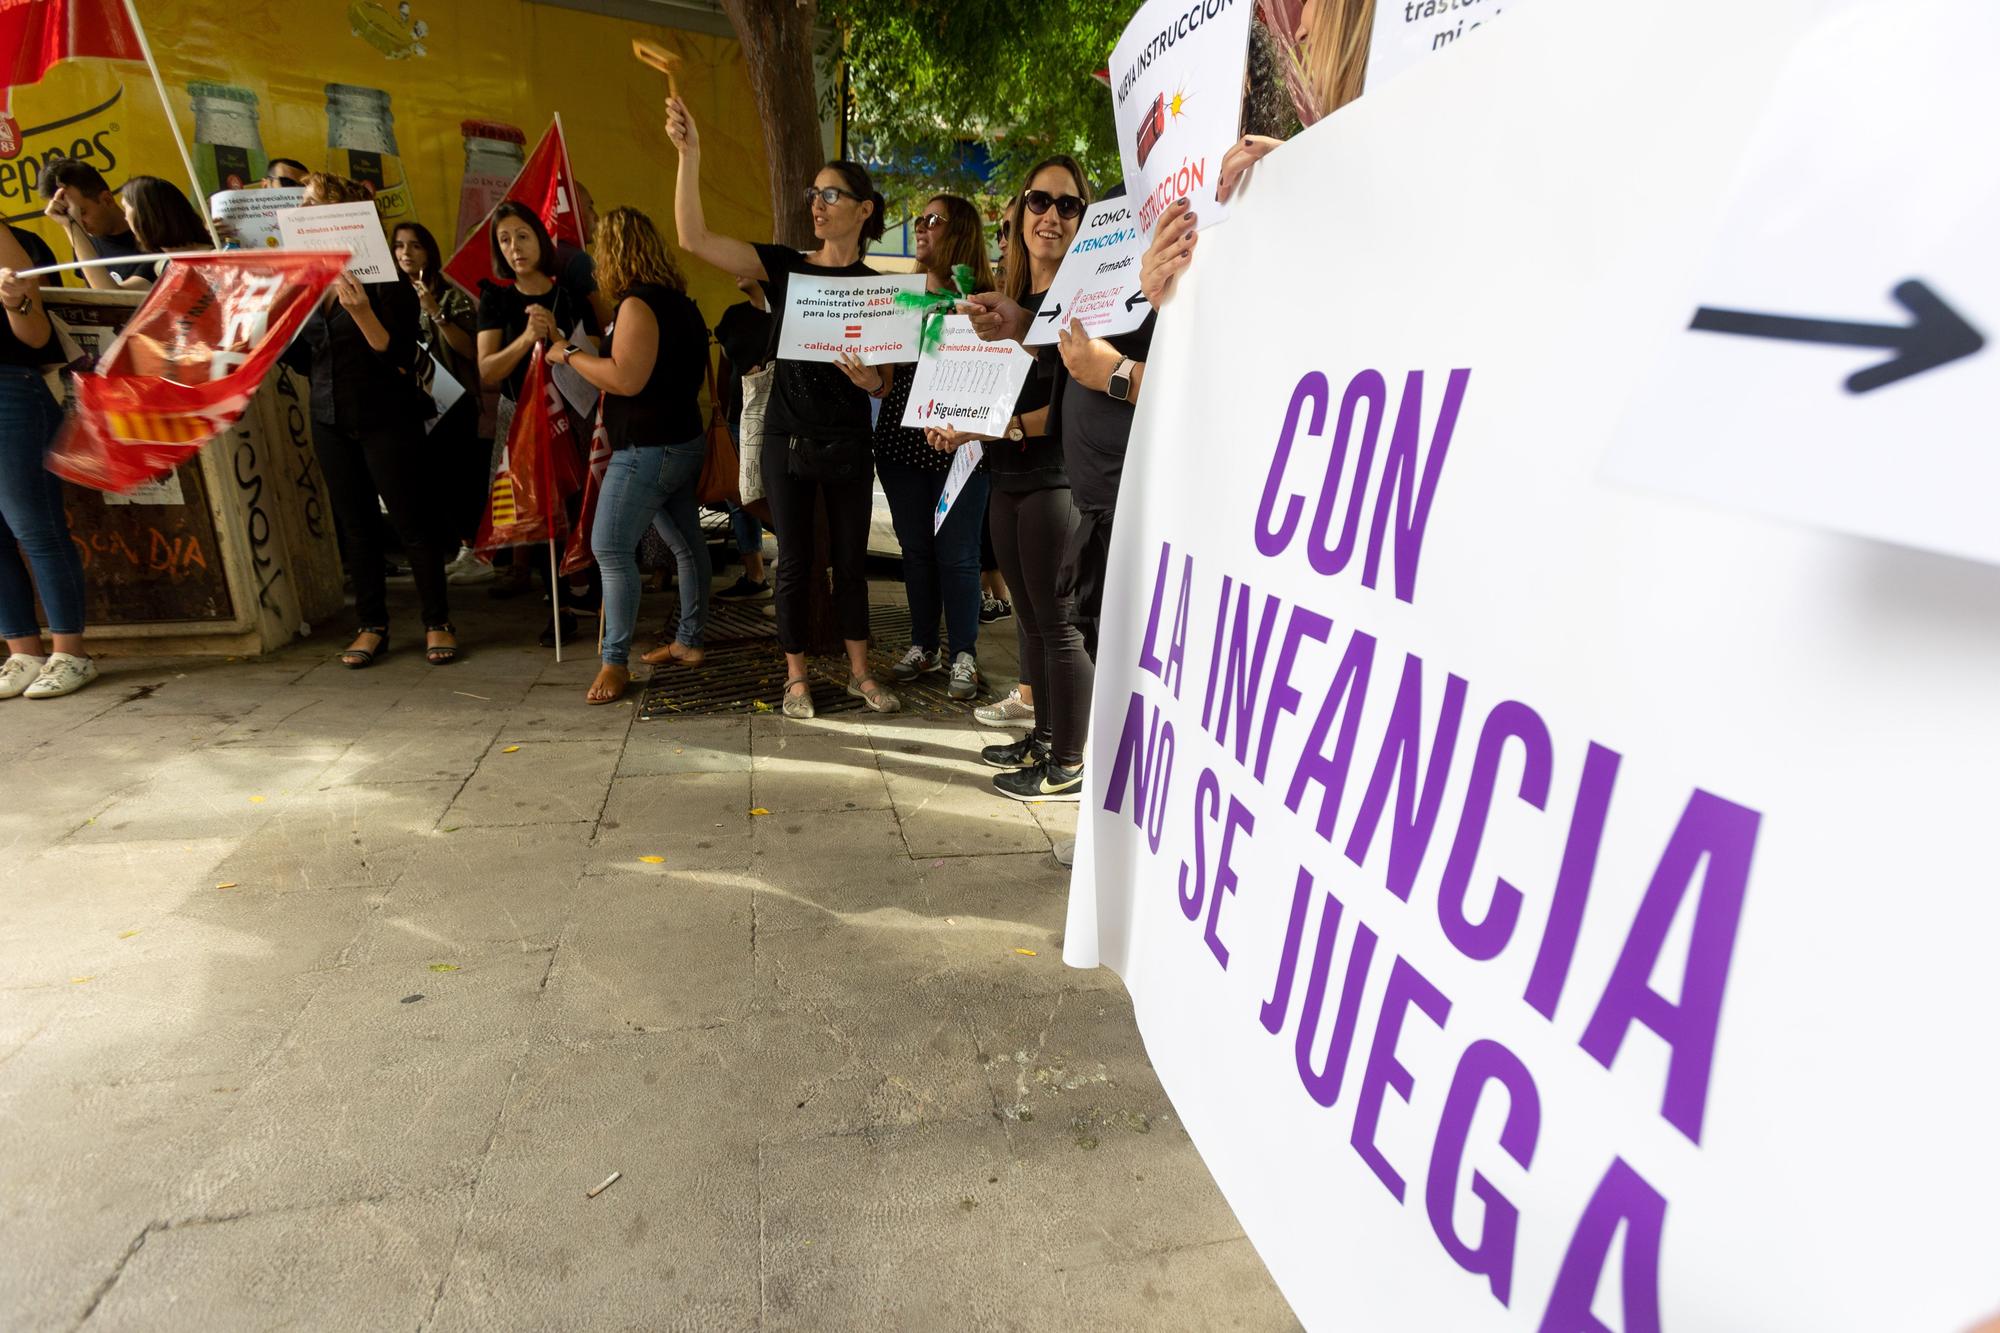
1015, 431
1121, 381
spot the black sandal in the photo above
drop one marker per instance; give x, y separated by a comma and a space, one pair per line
443, 654
356, 658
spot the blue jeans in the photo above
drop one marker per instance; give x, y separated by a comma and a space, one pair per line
655, 484
941, 571
32, 522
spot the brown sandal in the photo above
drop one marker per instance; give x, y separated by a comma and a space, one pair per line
799, 705
673, 653
869, 691
590, 695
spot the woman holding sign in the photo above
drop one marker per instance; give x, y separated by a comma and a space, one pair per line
816, 426
941, 567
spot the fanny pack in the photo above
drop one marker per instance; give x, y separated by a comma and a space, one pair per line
836, 459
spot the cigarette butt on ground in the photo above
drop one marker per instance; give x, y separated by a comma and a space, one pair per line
607, 1184
660, 58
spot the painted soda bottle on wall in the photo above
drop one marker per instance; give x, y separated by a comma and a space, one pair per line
494, 155
228, 149
361, 144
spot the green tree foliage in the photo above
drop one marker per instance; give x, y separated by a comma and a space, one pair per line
927, 77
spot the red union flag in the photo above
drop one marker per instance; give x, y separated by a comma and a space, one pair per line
577, 555
187, 362
544, 185
538, 468
34, 34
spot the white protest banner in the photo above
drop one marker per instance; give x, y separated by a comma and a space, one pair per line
962, 463
1098, 282
827, 316
1549, 905
1406, 31
1846, 321
355, 228
1177, 93
249, 218
967, 383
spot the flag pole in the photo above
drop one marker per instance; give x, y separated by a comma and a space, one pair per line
199, 199
555, 592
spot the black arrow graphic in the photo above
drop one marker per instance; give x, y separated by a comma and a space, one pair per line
1051, 314
1138, 297
1937, 335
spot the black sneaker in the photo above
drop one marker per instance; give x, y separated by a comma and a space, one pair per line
1024, 753
745, 589
992, 609
1046, 781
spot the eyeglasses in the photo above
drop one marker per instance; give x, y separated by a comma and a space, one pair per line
1067, 206
928, 221
828, 195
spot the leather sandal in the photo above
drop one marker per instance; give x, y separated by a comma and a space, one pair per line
356, 658
441, 654
673, 653
869, 691
799, 705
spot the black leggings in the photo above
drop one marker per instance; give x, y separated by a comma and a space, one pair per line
390, 462
1030, 530
849, 505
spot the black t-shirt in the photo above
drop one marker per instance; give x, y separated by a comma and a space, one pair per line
668, 409
117, 247
1036, 463
810, 398
39, 254
745, 334
506, 309
1096, 427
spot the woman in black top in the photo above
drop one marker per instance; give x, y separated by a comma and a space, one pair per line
446, 326
1032, 511
941, 567
34, 533
651, 377
816, 428
368, 431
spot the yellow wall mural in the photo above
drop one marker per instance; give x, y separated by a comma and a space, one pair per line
408, 96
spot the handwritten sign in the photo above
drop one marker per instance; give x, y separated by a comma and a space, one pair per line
967, 384
825, 317
249, 218
355, 228
1098, 282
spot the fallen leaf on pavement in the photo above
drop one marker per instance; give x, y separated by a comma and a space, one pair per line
444, 967
760, 810
227, 884
653, 860
127, 934
1026, 953
510, 749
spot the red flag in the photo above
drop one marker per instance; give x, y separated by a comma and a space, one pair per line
545, 185
186, 364
34, 34
577, 554
538, 469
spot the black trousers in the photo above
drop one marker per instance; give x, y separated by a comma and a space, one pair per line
849, 504
1030, 531
1080, 575
390, 462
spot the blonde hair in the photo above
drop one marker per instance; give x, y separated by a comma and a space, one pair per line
627, 250
337, 189
1336, 50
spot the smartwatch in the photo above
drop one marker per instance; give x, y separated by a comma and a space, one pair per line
1120, 386
570, 349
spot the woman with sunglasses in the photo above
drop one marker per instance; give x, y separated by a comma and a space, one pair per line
941, 568
1033, 511
816, 428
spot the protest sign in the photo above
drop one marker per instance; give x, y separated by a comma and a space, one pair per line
1548, 905
1177, 93
1098, 282
1407, 31
962, 464
825, 317
967, 384
355, 228
1845, 324
249, 218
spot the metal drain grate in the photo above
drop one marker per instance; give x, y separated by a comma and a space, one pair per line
744, 669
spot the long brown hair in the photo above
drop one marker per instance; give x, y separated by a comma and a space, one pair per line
627, 250
961, 240
162, 218
1018, 269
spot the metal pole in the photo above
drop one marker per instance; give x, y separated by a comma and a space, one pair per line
199, 200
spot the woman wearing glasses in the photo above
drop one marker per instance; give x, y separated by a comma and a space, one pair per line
1032, 511
816, 426
941, 568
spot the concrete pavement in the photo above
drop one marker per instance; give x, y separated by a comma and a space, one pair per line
327, 995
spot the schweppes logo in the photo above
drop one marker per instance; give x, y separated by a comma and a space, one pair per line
85, 136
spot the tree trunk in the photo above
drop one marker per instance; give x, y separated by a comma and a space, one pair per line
777, 40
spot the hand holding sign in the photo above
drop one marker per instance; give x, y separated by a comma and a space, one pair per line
1090, 360
1169, 252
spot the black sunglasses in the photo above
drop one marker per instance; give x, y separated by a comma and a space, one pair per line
928, 221
1067, 206
829, 195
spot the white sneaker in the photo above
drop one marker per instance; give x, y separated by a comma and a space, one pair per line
19, 673
964, 677
468, 568
1009, 712
63, 673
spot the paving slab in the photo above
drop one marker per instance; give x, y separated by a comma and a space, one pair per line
686, 745
475, 892
542, 782
692, 821
810, 771
351, 834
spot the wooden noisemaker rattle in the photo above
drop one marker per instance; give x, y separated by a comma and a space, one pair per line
660, 58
